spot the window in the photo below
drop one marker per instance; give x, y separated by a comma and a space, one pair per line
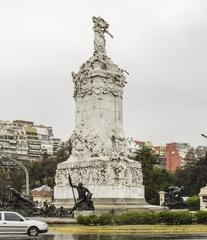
12, 217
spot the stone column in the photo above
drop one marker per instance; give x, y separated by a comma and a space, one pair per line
162, 197
203, 198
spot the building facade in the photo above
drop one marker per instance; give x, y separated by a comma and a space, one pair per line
172, 155
26, 141
176, 155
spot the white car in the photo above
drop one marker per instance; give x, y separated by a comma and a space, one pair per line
12, 222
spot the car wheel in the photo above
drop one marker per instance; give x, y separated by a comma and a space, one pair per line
33, 231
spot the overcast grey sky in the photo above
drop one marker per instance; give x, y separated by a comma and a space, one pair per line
161, 43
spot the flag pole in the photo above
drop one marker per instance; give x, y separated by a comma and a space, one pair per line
70, 182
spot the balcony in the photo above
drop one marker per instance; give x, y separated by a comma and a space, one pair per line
12, 146
22, 157
34, 147
34, 142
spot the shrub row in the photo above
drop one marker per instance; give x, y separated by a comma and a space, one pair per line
136, 218
105, 219
155, 218
174, 218
201, 217
193, 203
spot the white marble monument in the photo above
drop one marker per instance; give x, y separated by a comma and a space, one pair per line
99, 156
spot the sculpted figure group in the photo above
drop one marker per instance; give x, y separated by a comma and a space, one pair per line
174, 199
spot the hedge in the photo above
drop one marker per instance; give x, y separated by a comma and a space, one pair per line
105, 219
174, 218
201, 217
193, 203
136, 218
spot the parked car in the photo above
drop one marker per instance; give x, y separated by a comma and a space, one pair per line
13, 222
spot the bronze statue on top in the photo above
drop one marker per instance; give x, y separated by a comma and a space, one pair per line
84, 201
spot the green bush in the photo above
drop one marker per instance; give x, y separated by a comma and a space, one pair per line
201, 217
88, 220
105, 219
173, 218
93, 219
82, 220
133, 218
136, 218
193, 203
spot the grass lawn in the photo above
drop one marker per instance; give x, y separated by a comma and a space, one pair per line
170, 229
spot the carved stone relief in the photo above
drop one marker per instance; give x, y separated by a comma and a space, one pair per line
83, 85
115, 173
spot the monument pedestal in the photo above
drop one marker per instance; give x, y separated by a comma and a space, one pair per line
78, 213
106, 197
114, 182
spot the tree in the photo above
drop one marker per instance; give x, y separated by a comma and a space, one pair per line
10, 177
155, 179
159, 179
40, 172
43, 172
193, 177
148, 160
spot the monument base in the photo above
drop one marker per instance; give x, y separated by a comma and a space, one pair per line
108, 199
78, 213
114, 182
102, 195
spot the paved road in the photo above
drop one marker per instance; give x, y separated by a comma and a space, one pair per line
25, 237
50, 236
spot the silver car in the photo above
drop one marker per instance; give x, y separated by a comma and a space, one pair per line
13, 222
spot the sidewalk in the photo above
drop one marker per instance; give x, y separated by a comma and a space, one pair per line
55, 220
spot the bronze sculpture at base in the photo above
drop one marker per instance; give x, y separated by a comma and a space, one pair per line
174, 199
84, 201
24, 204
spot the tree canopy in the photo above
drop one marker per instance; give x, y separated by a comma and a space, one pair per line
193, 177
155, 178
40, 172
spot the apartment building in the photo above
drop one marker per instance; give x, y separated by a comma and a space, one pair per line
170, 156
176, 155
26, 141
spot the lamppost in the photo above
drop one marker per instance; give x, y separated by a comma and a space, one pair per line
9, 160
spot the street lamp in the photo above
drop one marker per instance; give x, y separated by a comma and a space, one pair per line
15, 162
203, 135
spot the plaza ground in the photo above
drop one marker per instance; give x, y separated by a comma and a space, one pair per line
126, 229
